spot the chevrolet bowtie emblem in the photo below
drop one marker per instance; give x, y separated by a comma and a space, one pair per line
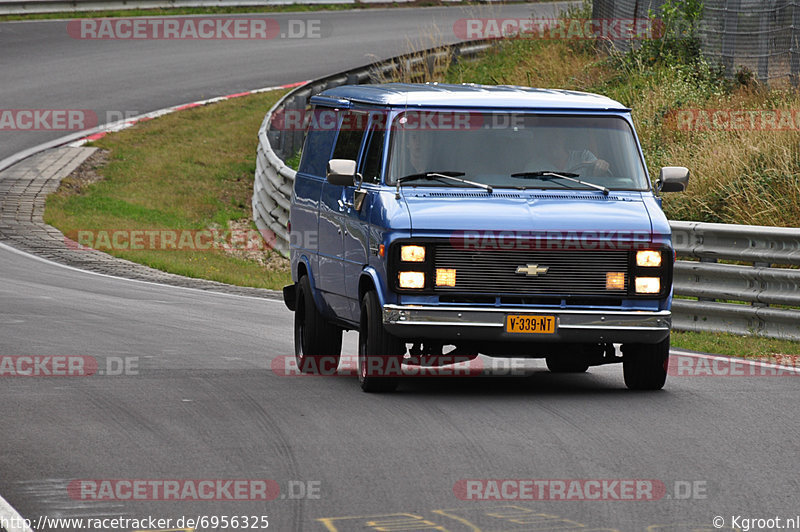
531, 270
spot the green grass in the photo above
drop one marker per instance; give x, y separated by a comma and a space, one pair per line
293, 162
191, 170
755, 347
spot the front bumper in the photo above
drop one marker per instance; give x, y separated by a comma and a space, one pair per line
470, 323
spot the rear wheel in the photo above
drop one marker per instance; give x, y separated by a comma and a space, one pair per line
380, 355
317, 342
645, 365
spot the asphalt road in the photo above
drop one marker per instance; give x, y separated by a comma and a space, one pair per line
205, 397
202, 394
44, 66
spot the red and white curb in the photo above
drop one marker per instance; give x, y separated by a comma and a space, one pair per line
80, 138
119, 125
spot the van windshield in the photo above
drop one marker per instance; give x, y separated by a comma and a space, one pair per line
512, 150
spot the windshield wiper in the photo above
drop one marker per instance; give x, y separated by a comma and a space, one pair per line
545, 175
452, 175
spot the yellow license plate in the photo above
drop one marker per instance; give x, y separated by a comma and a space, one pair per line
531, 324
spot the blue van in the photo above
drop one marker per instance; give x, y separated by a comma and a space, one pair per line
445, 222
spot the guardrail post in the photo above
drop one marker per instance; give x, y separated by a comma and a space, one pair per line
760, 304
710, 260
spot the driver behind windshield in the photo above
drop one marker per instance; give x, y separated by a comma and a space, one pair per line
563, 152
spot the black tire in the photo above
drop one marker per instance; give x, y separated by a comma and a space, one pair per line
317, 342
564, 363
380, 355
645, 365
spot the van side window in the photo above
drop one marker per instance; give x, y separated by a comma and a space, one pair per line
319, 142
373, 155
351, 131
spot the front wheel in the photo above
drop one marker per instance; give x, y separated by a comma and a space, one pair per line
380, 355
317, 342
644, 366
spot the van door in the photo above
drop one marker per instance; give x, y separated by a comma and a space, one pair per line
332, 216
356, 222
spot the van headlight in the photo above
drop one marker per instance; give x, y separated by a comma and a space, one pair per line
648, 285
411, 280
651, 271
412, 253
648, 258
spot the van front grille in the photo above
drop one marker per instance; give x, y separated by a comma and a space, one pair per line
568, 272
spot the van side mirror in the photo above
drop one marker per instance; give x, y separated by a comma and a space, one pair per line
672, 179
341, 172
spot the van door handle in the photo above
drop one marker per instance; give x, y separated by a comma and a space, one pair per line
344, 205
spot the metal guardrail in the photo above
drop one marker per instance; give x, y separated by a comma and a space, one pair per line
730, 297
747, 243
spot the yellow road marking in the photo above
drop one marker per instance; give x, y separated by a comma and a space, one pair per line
499, 518
381, 523
511, 518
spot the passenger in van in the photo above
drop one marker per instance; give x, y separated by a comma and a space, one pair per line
564, 153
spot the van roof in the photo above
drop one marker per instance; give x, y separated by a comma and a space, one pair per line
467, 95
